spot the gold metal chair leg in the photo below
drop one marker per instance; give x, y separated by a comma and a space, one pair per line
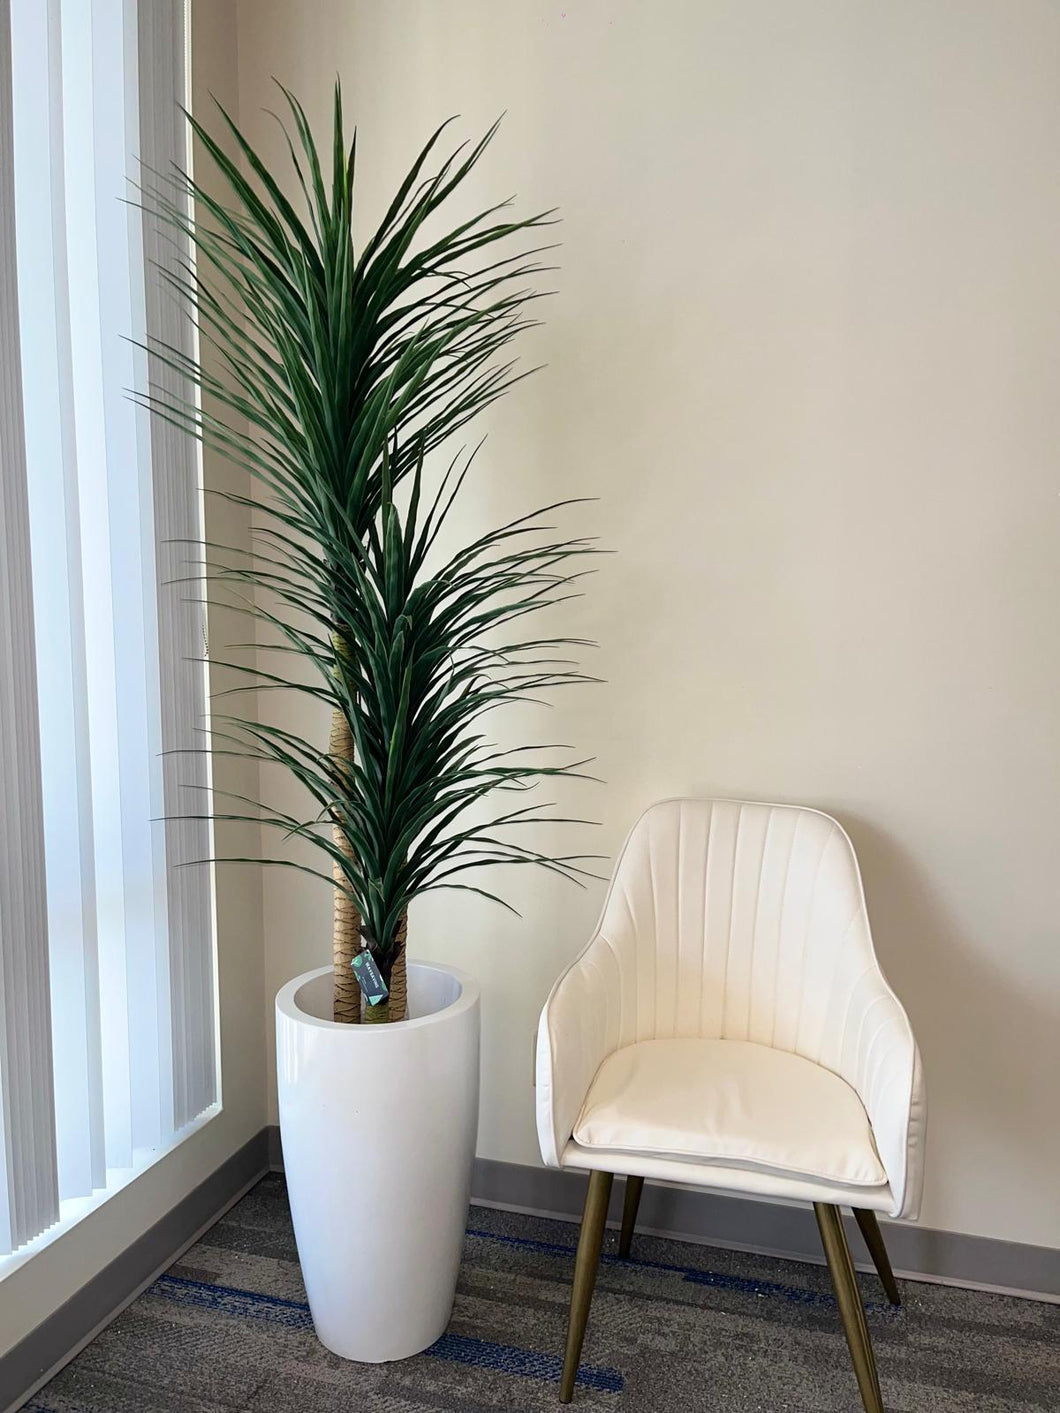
630, 1204
870, 1230
852, 1313
594, 1219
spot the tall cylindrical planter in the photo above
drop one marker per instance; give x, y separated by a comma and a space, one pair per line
378, 1124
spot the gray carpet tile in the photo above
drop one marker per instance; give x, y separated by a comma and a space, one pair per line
678, 1327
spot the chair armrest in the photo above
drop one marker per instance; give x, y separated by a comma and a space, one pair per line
577, 1031
881, 1060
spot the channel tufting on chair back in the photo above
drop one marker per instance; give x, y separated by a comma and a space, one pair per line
744, 921
738, 922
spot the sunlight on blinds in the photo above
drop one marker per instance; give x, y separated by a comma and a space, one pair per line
118, 648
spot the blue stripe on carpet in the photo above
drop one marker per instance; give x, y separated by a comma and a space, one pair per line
693, 1274
454, 1348
484, 1354
242, 1304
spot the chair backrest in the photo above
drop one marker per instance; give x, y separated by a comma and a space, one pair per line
743, 921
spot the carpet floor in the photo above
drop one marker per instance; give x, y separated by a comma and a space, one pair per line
678, 1327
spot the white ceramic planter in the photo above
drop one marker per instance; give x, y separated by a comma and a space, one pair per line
378, 1125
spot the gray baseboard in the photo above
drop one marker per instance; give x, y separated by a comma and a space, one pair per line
55, 1341
736, 1223
917, 1253
275, 1148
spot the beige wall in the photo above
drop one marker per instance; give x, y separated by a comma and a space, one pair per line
805, 349
35, 1290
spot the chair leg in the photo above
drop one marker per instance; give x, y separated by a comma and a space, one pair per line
586, 1263
870, 1230
852, 1313
630, 1204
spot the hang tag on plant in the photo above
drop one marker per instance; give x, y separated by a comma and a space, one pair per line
369, 978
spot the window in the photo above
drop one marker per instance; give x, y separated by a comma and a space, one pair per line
107, 989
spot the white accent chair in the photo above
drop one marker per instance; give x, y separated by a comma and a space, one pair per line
728, 1026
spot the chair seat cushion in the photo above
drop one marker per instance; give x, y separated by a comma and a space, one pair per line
730, 1102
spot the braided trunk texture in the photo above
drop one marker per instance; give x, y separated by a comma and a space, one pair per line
395, 1007
346, 936
398, 976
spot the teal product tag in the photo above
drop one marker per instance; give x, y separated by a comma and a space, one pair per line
369, 978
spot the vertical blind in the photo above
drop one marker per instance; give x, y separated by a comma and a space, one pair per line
107, 1013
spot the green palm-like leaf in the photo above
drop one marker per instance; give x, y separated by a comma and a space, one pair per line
337, 373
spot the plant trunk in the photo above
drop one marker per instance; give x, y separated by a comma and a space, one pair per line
346, 936
395, 1007
398, 979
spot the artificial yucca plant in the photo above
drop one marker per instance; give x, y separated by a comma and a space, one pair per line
339, 372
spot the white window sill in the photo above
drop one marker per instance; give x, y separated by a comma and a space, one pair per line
74, 1209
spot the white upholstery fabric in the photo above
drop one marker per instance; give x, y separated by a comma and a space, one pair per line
731, 1102
729, 920
741, 1180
